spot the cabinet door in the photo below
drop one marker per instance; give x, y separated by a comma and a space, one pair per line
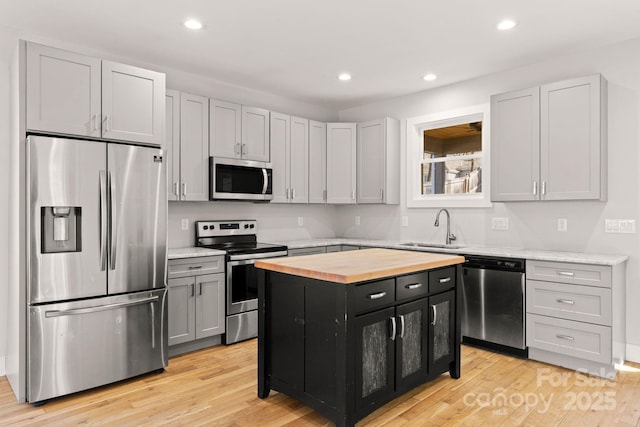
375, 362
210, 290
181, 310
341, 163
63, 92
133, 102
412, 344
171, 146
280, 142
194, 147
570, 139
317, 162
371, 161
299, 160
226, 129
442, 329
515, 142
255, 134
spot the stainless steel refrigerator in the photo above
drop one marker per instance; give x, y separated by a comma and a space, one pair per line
97, 309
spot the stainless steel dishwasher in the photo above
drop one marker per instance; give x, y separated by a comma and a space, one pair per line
493, 305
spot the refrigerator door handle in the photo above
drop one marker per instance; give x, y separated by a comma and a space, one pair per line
113, 223
95, 309
103, 220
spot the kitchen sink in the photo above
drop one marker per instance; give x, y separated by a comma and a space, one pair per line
427, 245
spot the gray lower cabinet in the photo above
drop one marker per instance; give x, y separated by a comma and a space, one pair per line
196, 299
307, 251
549, 142
571, 320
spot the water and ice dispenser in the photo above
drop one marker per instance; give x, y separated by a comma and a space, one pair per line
61, 229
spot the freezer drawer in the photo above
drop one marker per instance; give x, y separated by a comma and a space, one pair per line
80, 345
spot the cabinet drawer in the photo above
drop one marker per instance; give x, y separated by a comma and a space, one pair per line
376, 294
576, 339
195, 266
441, 280
412, 285
564, 272
573, 302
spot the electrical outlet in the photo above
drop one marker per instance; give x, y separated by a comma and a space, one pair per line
357, 219
562, 224
405, 221
185, 223
500, 223
620, 226
300, 221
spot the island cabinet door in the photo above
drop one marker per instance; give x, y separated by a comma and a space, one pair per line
374, 361
441, 332
412, 344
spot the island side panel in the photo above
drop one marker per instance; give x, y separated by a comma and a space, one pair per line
264, 342
454, 366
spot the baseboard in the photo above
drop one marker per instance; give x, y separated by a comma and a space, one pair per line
3, 371
633, 353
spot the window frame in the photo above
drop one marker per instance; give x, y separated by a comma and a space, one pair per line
415, 145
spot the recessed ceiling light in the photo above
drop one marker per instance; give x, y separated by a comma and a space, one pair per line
345, 77
506, 24
192, 24
430, 77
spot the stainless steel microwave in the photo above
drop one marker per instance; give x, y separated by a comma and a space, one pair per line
232, 179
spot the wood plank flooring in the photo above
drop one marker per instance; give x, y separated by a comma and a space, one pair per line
217, 387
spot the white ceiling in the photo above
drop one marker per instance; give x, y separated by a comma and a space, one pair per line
296, 48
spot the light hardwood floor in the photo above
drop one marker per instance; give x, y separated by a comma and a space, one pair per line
217, 387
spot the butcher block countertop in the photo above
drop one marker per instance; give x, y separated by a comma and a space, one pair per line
358, 266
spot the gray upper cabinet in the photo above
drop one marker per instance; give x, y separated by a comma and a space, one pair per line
171, 146
299, 160
515, 145
549, 142
72, 94
239, 131
255, 134
341, 163
132, 103
317, 162
378, 160
280, 135
226, 129
290, 158
194, 147
63, 92
573, 139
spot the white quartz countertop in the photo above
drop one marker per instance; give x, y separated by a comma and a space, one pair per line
192, 252
531, 254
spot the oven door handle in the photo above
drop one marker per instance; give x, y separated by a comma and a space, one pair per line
255, 256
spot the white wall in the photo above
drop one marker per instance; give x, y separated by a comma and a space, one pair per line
532, 224
276, 222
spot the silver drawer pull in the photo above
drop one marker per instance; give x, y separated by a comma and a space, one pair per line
566, 301
195, 267
376, 296
414, 286
445, 279
565, 337
566, 273
393, 328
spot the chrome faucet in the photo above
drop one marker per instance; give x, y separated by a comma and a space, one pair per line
450, 236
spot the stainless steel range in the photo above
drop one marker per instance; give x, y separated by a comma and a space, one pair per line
238, 239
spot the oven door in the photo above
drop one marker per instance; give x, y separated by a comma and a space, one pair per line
242, 286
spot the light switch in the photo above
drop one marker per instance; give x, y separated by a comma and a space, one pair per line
357, 219
405, 221
300, 221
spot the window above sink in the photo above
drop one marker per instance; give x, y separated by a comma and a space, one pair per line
448, 159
